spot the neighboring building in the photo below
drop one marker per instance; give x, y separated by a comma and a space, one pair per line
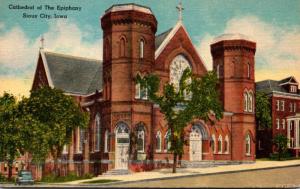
285, 105
18, 164
128, 132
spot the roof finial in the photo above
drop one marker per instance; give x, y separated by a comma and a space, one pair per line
42, 42
180, 9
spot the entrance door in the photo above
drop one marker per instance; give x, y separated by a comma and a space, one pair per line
195, 144
122, 146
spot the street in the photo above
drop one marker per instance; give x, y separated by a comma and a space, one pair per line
279, 177
287, 177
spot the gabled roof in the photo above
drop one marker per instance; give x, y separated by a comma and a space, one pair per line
162, 40
269, 86
74, 75
288, 80
161, 37
165, 39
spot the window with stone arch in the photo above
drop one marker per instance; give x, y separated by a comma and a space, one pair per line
250, 101
80, 139
248, 144
106, 48
141, 47
248, 70
220, 144
213, 143
140, 138
226, 144
177, 67
167, 141
218, 71
97, 132
122, 46
106, 141
245, 101
158, 142
141, 92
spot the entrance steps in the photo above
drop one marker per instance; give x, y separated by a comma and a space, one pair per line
204, 164
117, 172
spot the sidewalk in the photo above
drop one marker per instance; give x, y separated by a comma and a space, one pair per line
183, 172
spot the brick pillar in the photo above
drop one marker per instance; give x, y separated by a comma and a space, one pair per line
86, 155
71, 167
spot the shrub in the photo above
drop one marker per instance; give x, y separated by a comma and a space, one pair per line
69, 177
2, 178
283, 156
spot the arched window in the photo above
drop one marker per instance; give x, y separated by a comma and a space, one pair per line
158, 141
122, 47
137, 91
250, 101
226, 145
248, 144
80, 139
106, 145
97, 132
245, 101
248, 70
144, 93
220, 144
141, 141
177, 67
65, 149
213, 143
167, 141
141, 92
218, 71
142, 43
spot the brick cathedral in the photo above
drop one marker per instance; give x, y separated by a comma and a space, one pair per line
126, 131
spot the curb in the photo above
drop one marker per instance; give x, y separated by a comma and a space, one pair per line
196, 175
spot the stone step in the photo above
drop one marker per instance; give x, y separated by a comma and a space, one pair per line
203, 164
117, 172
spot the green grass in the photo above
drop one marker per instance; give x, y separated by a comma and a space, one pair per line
100, 181
51, 178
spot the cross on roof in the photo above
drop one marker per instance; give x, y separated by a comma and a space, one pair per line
42, 42
180, 9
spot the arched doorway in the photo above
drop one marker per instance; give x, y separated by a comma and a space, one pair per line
122, 146
195, 144
197, 134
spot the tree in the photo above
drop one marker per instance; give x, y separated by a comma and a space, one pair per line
280, 140
263, 110
196, 98
49, 119
10, 140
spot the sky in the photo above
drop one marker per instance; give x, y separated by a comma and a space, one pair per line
273, 24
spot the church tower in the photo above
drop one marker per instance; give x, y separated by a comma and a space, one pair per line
128, 50
234, 63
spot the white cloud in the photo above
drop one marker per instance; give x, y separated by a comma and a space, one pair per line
204, 50
277, 54
68, 38
19, 52
16, 51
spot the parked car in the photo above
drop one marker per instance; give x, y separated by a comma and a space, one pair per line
24, 177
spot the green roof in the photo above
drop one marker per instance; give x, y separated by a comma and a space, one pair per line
161, 37
75, 75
